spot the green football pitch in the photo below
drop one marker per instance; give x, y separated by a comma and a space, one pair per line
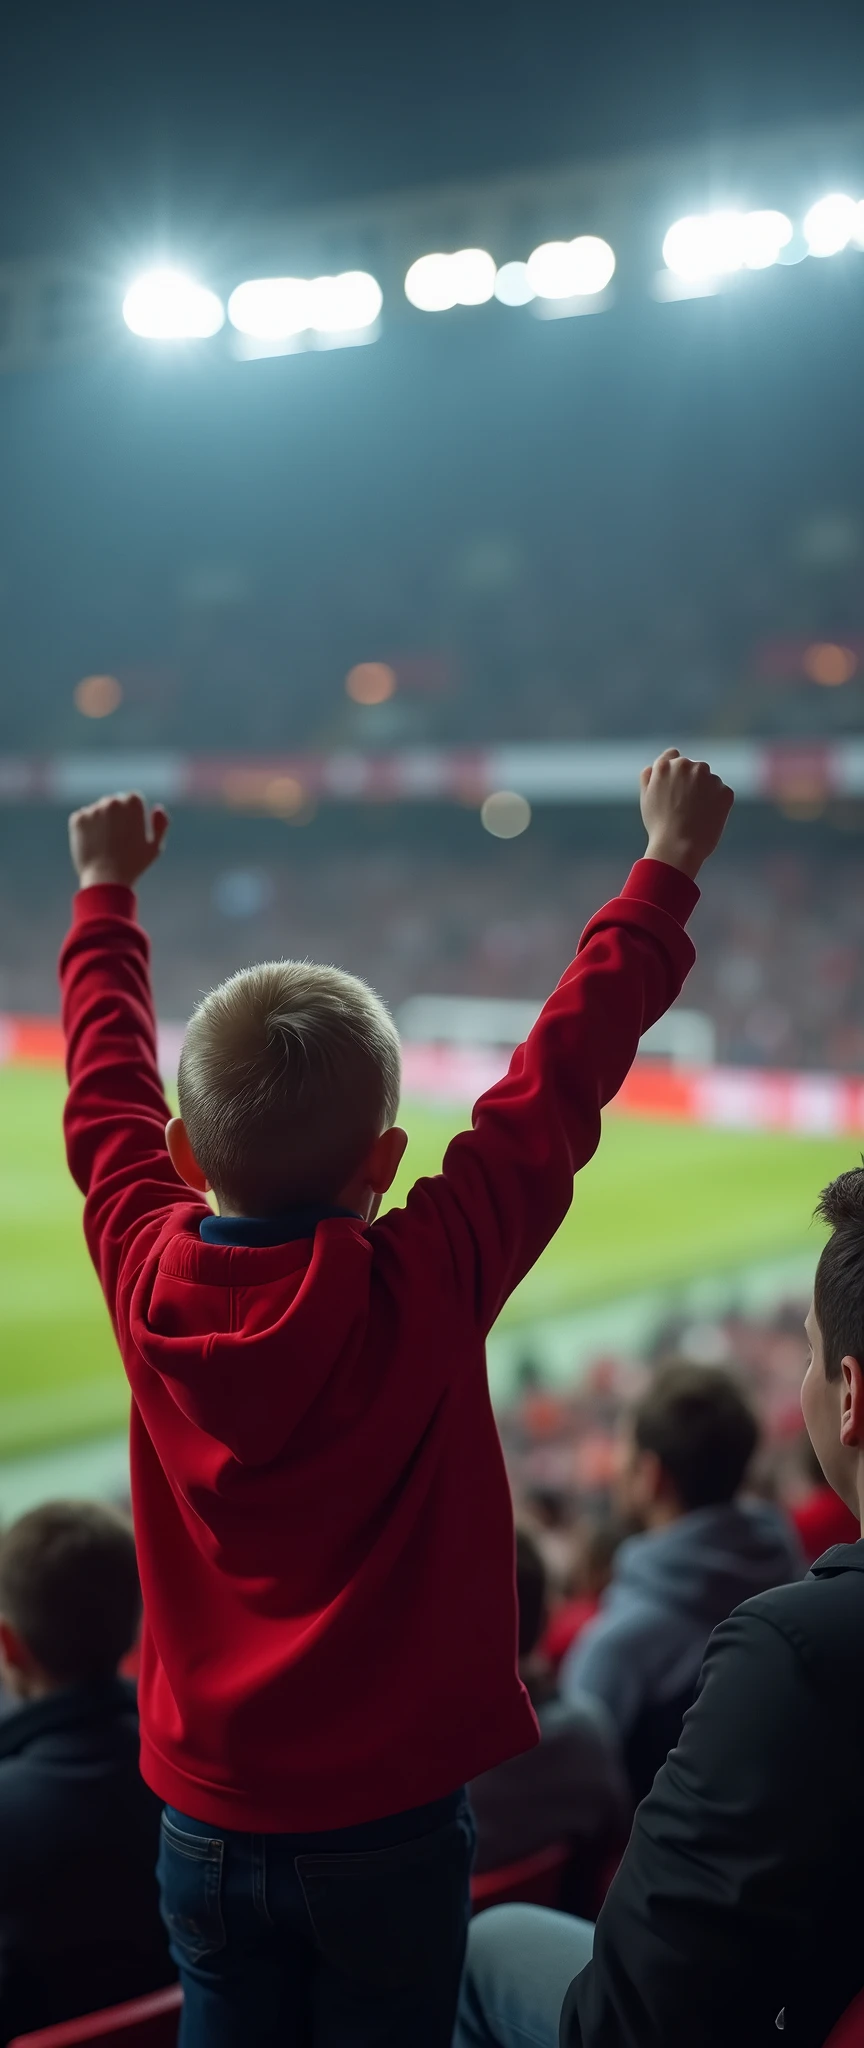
658, 1206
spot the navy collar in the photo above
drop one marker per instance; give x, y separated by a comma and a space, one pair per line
270, 1230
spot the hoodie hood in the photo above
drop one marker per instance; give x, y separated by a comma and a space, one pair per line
259, 1332
707, 1562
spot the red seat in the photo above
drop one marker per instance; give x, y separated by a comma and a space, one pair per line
849, 2030
535, 1881
144, 2023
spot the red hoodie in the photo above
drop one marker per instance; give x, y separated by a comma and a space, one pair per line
322, 1511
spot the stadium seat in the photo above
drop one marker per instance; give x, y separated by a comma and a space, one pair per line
150, 2022
849, 2030
535, 1881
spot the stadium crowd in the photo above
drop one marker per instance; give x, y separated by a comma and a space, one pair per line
355, 1720
779, 970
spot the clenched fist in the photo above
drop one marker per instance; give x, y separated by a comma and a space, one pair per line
115, 841
684, 810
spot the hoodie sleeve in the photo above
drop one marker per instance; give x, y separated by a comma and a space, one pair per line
506, 1185
116, 1112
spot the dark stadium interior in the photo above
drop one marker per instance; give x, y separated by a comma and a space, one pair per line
549, 530
430, 1536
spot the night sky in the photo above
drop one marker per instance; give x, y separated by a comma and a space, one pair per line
177, 115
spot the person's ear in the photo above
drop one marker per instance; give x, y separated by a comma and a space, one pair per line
183, 1158
851, 1404
385, 1159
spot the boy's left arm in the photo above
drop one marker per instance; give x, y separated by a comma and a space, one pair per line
116, 1112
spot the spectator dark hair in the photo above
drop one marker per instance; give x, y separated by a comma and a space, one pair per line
838, 1291
697, 1423
69, 1588
531, 1592
550, 1506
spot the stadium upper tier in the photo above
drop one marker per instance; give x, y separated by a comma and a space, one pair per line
490, 527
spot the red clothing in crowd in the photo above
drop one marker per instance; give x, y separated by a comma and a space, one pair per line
565, 1624
322, 1511
822, 1520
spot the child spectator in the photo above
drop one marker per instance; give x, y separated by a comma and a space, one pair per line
702, 1551
572, 1787
79, 1829
324, 1523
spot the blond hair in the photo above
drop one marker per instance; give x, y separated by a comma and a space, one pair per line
288, 1074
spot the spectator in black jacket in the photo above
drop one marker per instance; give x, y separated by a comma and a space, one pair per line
79, 1829
736, 1914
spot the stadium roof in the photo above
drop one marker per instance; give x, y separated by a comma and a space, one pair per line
60, 309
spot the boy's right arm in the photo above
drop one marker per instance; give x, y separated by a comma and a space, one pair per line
116, 1112
507, 1184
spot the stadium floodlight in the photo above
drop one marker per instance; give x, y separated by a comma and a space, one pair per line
513, 285
473, 272
763, 234
276, 308
549, 270
271, 308
434, 284
345, 304
705, 245
571, 270
430, 284
166, 305
831, 224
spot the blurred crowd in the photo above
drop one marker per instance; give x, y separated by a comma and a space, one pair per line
780, 970
562, 1442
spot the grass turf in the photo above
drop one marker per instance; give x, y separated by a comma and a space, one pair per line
659, 1204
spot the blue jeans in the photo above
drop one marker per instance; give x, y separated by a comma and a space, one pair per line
350, 1939
520, 1964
